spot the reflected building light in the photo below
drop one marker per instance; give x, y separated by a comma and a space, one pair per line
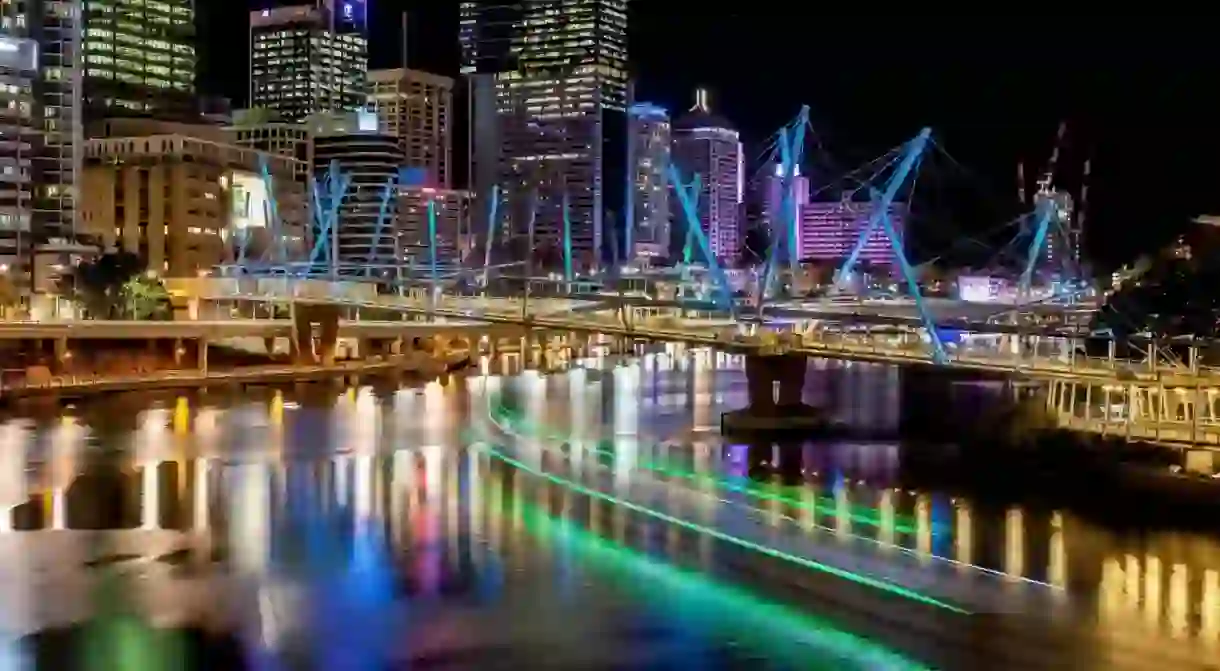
182, 416
367, 424
202, 494
842, 509
1056, 568
1131, 573
249, 517
1014, 543
342, 493
1152, 589
1111, 590
14, 489
402, 489
626, 400
362, 489
964, 542
452, 509
578, 416
151, 434
66, 444
150, 495
923, 525
887, 518
535, 414
474, 495
1178, 607
1209, 611
207, 431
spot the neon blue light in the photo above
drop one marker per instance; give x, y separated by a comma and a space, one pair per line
724, 296
1045, 209
567, 240
391, 187
492, 215
432, 241
273, 213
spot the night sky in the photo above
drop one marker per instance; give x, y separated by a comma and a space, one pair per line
1139, 94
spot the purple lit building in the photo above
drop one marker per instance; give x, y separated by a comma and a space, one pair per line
706, 144
829, 230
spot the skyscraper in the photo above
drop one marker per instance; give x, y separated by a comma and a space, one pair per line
140, 58
649, 132
417, 107
56, 111
706, 145
560, 96
306, 59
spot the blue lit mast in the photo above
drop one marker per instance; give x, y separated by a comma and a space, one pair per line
791, 149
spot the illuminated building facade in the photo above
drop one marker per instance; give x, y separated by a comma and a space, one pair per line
649, 132
370, 157
453, 224
140, 58
307, 59
555, 74
705, 144
42, 64
828, 231
417, 107
179, 199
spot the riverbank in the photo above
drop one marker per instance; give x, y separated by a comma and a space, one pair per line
81, 386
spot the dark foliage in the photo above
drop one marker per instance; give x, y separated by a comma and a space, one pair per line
98, 282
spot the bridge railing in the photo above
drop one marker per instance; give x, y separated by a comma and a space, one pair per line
556, 313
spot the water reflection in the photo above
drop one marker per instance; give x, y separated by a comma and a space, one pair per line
214, 482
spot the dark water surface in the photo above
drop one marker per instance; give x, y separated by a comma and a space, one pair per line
430, 527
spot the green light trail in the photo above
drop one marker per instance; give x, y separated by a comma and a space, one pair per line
695, 596
803, 562
859, 514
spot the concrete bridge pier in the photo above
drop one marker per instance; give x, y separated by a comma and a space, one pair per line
304, 348
765, 373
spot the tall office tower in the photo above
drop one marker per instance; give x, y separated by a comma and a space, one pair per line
19, 128
648, 130
307, 59
560, 95
370, 158
140, 58
58, 93
417, 107
829, 231
706, 145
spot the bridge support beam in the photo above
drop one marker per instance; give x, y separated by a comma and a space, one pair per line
765, 373
304, 349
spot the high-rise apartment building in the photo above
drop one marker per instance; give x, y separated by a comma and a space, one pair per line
706, 145
19, 128
306, 59
648, 130
417, 107
52, 94
556, 73
829, 230
140, 58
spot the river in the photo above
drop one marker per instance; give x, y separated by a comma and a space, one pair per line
447, 524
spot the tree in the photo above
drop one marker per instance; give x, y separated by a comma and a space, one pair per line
97, 283
145, 297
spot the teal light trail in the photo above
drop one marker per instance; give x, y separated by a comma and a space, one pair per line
859, 514
694, 595
721, 536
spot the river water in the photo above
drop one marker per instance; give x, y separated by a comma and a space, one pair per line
442, 525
